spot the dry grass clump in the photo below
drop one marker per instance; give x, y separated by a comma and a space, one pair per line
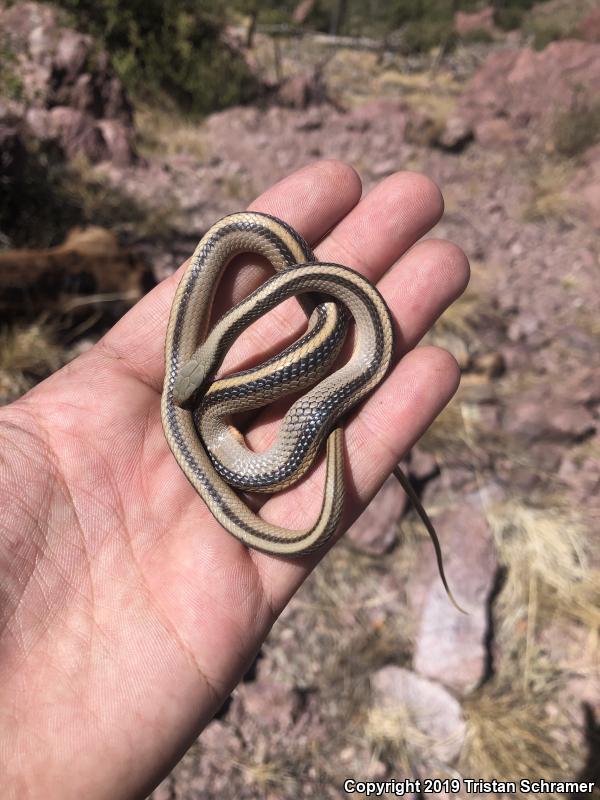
558, 19
265, 771
548, 181
548, 553
508, 738
517, 726
169, 133
577, 129
27, 355
456, 330
395, 739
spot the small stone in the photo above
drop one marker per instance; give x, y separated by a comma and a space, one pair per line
430, 708
537, 415
573, 423
270, 704
456, 135
382, 169
483, 20
494, 133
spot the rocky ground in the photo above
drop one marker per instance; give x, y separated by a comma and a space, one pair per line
371, 673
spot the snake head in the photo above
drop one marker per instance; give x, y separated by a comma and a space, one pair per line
189, 382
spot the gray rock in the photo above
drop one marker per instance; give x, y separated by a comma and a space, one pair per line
67, 95
428, 707
450, 647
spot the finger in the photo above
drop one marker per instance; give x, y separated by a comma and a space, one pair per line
369, 239
384, 225
388, 424
312, 200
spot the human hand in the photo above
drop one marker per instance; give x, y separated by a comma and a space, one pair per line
127, 614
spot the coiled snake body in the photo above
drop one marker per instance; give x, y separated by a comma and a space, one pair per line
196, 410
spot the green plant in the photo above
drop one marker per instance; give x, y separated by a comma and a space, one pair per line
477, 36
171, 48
11, 85
545, 31
577, 129
508, 19
420, 36
46, 197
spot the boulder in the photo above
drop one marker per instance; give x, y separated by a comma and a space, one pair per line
71, 94
589, 27
517, 94
450, 647
421, 704
483, 20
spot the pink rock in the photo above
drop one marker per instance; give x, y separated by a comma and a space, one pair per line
64, 91
270, 704
494, 133
536, 415
521, 91
589, 28
457, 133
376, 530
302, 89
430, 708
450, 647
479, 20
77, 133
423, 464
118, 142
573, 422
71, 53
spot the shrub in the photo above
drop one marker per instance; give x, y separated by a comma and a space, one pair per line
172, 47
420, 36
42, 200
11, 85
508, 19
477, 35
546, 28
577, 129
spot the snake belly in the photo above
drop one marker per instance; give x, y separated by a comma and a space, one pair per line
196, 410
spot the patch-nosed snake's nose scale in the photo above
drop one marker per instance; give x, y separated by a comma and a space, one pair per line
196, 409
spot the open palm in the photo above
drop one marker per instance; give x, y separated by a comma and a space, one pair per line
127, 614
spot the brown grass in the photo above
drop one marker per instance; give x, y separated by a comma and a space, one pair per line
169, 133
548, 551
508, 738
548, 181
27, 355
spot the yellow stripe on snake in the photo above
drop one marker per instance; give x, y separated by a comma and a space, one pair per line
196, 409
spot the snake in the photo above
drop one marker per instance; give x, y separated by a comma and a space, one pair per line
197, 408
